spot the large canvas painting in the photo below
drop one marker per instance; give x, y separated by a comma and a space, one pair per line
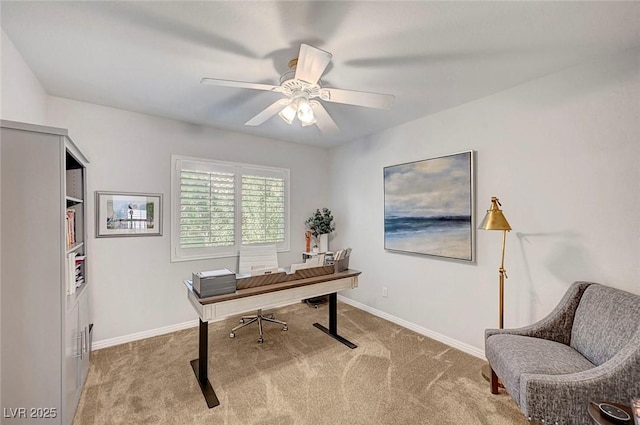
429, 207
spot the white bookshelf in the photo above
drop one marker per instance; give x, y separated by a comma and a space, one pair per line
45, 356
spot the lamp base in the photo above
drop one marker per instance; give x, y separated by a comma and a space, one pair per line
486, 374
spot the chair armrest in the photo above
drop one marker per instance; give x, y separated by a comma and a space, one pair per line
551, 397
556, 326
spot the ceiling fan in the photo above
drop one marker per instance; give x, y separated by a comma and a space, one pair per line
301, 87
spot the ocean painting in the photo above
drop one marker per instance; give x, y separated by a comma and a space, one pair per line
428, 207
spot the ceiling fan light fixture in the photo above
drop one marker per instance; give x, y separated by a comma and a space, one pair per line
288, 114
300, 86
305, 113
308, 123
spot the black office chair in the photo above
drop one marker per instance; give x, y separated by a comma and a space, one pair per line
255, 260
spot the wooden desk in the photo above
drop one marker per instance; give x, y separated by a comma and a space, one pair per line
263, 297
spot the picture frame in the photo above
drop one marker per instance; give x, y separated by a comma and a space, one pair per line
128, 214
429, 207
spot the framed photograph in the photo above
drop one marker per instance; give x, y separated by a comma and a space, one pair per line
128, 214
429, 207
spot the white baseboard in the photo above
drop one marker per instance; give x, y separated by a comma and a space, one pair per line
469, 349
104, 343
97, 345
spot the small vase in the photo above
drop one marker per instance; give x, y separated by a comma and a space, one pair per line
307, 238
324, 242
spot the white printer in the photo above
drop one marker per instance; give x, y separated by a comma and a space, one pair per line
214, 282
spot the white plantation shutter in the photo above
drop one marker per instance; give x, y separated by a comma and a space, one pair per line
220, 206
263, 209
207, 209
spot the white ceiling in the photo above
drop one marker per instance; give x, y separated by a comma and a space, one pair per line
149, 57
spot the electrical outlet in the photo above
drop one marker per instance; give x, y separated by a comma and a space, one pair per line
385, 293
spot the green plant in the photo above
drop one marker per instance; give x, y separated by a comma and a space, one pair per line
321, 222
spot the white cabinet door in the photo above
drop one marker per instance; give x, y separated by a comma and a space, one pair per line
73, 350
83, 305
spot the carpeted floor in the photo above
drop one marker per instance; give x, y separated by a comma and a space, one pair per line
302, 377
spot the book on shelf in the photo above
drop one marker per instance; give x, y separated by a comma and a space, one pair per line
71, 227
78, 278
79, 270
75, 272
71, 277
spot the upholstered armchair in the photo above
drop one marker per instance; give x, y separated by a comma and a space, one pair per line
587, 348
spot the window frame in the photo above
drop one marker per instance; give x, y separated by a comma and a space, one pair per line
190, 254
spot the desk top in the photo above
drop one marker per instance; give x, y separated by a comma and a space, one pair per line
242, 293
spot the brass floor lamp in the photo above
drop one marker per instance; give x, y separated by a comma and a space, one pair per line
495, 220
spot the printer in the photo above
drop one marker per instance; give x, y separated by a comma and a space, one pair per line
214, 282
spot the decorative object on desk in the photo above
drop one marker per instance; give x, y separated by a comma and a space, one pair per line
341, 260
328, 259
321, 224
495, 220
429, 207
128, 214
307, 239
324, 242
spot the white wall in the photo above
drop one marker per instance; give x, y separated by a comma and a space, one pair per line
561, 153
22, 96
135, 288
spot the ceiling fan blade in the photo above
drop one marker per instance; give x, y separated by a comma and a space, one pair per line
325, 123
239, 84
311, 63
359, 98
270, 111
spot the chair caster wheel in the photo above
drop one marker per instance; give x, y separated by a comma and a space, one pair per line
286, 328
242, 321
260, 340
232, 335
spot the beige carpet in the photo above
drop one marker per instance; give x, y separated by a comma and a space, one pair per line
302, 376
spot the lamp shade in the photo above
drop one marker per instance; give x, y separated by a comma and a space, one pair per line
494, 220
305, 113
288, 113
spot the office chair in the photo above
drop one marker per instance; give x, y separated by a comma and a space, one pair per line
252, 260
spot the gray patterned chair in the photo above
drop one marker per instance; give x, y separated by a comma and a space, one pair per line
587, 348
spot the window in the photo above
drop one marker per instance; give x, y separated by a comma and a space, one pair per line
220, 206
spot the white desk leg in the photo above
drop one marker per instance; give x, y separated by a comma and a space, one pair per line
200, 366
333, 322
